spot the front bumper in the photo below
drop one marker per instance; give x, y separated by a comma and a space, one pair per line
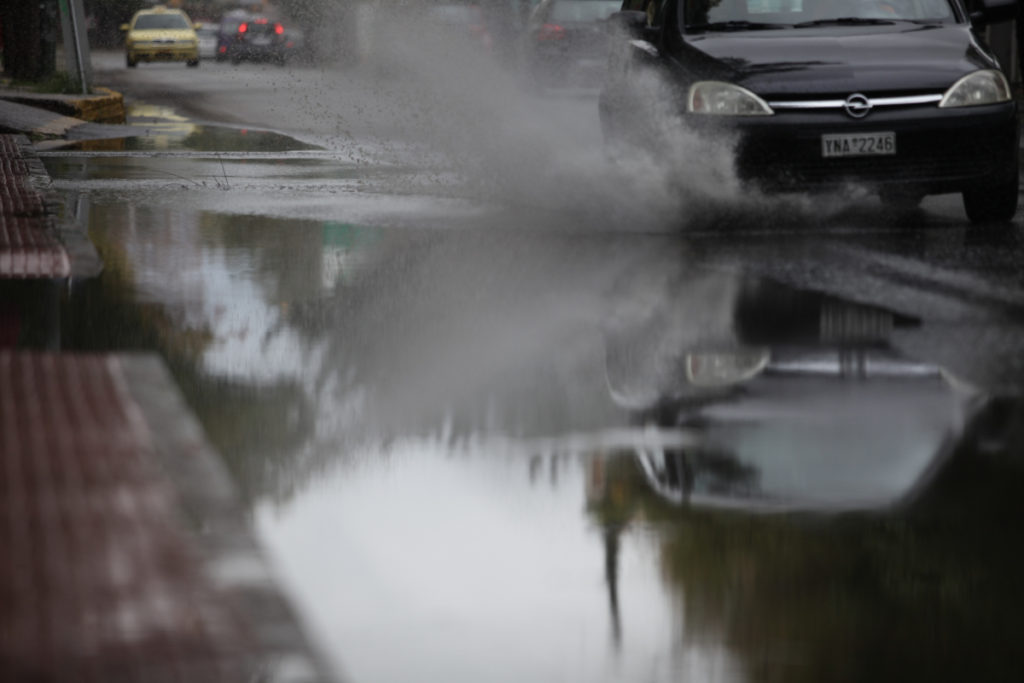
164, 53
937, 150
256, 53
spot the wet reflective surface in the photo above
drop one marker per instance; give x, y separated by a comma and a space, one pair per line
493, 445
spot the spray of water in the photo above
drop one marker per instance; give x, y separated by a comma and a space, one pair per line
503, 328
545, 150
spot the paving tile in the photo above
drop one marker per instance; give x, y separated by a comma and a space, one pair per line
99, 581
29, 244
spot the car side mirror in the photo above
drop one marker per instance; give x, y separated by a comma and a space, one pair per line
124, 27
631, 22
994, 12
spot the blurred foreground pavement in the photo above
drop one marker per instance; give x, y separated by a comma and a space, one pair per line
127, 554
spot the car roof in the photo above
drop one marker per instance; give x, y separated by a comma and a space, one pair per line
160, 9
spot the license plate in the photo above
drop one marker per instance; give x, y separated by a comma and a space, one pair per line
858, 144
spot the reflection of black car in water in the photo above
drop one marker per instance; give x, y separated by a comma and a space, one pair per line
797, 402
900, 96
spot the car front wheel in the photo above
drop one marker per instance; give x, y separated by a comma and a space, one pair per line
130, 62
993, 203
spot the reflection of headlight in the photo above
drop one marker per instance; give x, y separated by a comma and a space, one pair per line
729, 367
981, 87
725, 99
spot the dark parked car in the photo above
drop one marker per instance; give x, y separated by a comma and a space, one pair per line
566, 42
249, 37
900, 96
227, 31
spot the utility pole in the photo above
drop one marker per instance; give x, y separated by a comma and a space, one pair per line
77, 58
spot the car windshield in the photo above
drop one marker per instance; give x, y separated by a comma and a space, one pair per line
752, 14
148, 22
583, 10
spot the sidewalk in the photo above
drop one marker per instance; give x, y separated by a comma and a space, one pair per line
127, 554
29, 244
54, 119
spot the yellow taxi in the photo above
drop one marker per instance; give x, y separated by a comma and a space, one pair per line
160, 34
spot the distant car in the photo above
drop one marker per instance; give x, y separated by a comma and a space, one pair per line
256, 39
462, 21
227, 31
160, 34
207, 35
296, 45
566, 42
901, 97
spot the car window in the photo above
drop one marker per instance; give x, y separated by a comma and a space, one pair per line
229, 23
703, 12
148, 22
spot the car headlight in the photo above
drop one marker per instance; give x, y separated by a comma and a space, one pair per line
713, 368
725, 99
981, 87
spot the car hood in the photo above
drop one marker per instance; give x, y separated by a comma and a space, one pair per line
163, 34
841, 60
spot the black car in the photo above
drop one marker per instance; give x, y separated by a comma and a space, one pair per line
249, 37
227, 31
566, 42
900, 96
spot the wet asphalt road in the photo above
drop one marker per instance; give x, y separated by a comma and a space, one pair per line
505, 410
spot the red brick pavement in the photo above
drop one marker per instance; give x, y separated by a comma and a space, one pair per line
29, 247
98, 581
115, 517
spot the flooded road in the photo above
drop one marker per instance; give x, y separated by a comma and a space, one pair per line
493, 440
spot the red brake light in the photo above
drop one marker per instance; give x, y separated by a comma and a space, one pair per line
242, 28
278, 29
551, 32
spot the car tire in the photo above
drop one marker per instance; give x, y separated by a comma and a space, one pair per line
192, 63
993, 203
130, 63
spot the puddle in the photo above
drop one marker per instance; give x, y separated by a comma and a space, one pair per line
530, 455
166, 131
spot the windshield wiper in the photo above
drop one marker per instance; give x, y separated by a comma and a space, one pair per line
735, 25
845, 21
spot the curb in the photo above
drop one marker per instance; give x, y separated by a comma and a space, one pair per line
106, 106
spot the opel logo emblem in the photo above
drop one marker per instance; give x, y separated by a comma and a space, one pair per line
857, 106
